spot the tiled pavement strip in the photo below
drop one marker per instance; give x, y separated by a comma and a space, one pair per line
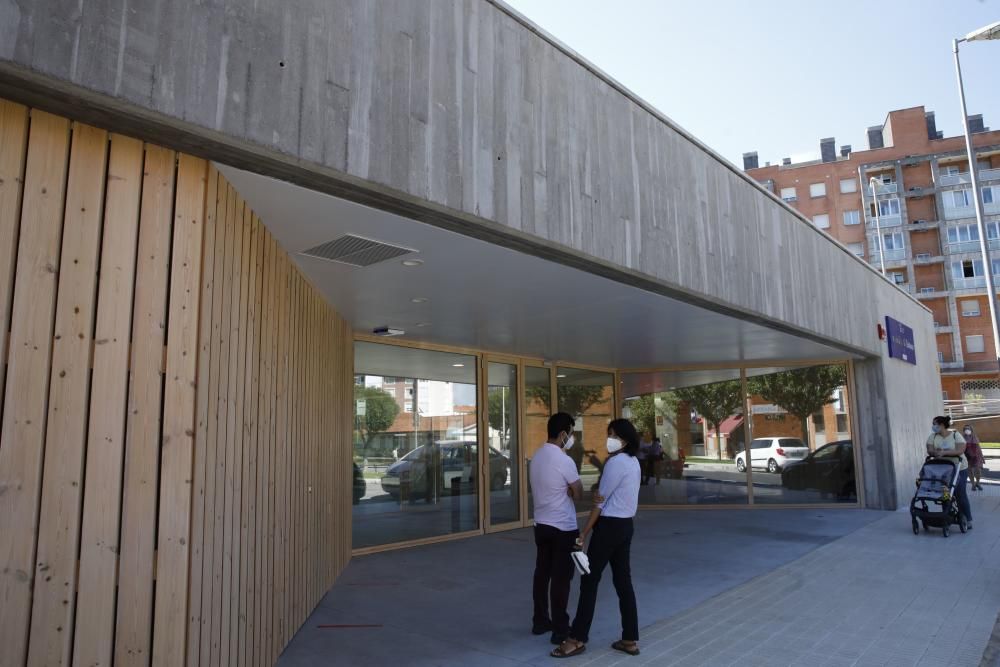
879, 596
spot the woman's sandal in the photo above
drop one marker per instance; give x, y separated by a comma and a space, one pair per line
625, 647
559, 651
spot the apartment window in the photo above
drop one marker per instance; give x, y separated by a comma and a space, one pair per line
408, 406
974, 344
887, 207
995, 263
817, 189
898, 278
989, 196
952, 170
822, 221
788, 194
848, 185
852, 217
842, 423
958, 198
992, 230
970, 308
857, 248
819, 423
941, 360
963, 234
967, 269
893, 241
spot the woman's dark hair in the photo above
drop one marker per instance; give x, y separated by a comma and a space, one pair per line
944, 421
630, 439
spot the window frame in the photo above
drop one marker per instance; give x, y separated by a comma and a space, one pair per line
853, 186
816, 187
968, 344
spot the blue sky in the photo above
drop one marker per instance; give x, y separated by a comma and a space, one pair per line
776, 76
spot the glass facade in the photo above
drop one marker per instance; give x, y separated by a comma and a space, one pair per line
589, 397
434, 428
416, 448
697, 418
801, 448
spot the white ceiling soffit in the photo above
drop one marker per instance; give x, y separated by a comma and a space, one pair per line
474, 294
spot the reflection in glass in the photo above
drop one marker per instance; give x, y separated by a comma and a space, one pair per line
503, 441
697, 418
802, 451
415, 444
588, 396
537, 408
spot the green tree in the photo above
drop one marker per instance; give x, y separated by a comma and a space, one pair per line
801, 391
643, 411
499, 410
715, 402
381, 410
575, 399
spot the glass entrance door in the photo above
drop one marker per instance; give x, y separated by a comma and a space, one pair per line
501, 465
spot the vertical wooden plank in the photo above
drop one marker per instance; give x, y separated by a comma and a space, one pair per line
133, 637
22, 437
13, 150
226, 337
179, 415
99, 544
279, 521
229, 556
267, 541
248, 443
65, 440
263, 419
204, 468
296, 455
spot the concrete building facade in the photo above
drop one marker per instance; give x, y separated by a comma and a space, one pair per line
930, 239
217, 223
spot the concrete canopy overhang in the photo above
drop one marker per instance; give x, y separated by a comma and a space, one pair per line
473, 294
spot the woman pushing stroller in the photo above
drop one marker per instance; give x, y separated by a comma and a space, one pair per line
949, 444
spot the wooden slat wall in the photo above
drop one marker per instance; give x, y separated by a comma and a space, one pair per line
175, 402
273, 477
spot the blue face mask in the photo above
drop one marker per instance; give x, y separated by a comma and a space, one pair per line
936, 428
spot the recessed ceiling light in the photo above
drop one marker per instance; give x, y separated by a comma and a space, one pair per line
423, 324
458, 365
561, 375
419, 299
412, 262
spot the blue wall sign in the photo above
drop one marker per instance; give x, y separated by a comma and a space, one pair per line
901, 344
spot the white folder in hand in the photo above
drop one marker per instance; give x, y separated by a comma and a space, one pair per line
581, 561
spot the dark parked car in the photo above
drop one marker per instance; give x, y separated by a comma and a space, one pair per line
359, 484
829, 470
457, 460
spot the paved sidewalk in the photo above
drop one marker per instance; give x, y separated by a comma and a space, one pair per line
716, 587
879, 596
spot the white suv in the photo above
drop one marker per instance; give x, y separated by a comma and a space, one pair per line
772, 453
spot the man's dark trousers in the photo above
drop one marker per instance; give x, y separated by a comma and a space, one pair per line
553, 575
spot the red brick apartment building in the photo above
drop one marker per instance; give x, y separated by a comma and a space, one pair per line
929, 233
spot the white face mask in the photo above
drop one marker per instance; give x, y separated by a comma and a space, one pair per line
614, 444
568, 445
968, 432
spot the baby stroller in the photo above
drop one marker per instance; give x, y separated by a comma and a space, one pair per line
934, 503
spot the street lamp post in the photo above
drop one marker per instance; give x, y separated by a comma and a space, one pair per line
991, 31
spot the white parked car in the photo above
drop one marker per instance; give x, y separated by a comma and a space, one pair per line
771, 454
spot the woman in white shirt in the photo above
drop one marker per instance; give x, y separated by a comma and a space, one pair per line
950, 444
611, 523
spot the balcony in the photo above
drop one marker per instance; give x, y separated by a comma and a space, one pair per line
954, 179
892, 220
959, 212
931, 293
965, 178
978, 282
884, 189
964, 246
927, 258
894, 255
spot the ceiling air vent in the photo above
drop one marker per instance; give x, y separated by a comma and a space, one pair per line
356, 251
